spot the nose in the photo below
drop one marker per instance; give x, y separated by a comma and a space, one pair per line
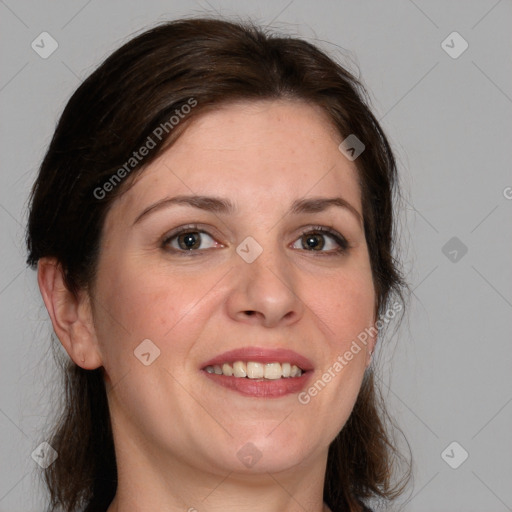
265, 292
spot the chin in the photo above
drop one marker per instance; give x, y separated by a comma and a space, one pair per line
270, 453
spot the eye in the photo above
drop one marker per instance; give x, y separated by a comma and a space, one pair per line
321, 239
190, 240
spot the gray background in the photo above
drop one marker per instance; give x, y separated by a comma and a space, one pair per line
447, 372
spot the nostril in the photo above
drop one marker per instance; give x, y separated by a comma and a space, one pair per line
249, 313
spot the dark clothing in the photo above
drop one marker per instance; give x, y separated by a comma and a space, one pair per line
365, 508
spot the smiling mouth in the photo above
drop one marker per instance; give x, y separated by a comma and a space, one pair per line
255, 370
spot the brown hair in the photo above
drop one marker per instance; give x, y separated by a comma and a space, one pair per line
113, 112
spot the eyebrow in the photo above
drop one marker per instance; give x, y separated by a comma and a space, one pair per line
224, 206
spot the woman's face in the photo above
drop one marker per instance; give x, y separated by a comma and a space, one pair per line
229, 248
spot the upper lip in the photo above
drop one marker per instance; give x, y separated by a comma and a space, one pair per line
261, 355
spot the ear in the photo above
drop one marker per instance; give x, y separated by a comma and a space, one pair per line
371, 342
70, 313
370, 348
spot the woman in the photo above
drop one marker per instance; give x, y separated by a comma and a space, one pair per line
213, 231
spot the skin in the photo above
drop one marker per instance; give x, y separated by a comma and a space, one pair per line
176, 433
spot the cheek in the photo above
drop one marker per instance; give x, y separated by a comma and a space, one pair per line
138, 302
345, 305
344, 308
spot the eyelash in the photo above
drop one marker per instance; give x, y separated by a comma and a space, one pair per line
340, 240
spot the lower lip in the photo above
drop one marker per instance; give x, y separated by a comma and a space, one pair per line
263, 388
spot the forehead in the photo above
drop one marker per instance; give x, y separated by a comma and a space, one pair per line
256, 153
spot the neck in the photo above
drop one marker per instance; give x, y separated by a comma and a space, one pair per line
151, 481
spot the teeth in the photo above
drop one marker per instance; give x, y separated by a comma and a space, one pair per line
295, 371
253, 370
227, 370
273, 371
239, 369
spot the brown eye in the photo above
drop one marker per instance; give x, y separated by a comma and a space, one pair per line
190, 241
321, 240
314, 241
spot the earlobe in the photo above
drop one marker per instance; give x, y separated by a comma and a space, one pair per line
369, 355
373, 337
371, 344
70, 314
